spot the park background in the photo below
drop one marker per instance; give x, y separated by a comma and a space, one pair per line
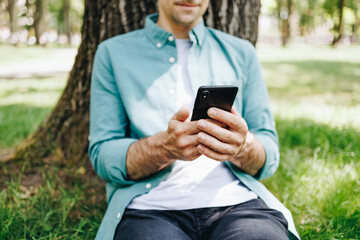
310, 52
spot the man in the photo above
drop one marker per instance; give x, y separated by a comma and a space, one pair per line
168, 177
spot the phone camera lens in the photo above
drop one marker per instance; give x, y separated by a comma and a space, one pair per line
204, 95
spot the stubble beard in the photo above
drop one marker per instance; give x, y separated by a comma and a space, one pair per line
186, 18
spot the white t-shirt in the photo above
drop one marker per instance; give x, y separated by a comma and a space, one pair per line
193, 184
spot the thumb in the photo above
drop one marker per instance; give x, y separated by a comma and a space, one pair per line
182, 114
233, 111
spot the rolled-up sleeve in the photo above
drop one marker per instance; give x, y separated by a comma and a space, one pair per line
108, 138
257, 114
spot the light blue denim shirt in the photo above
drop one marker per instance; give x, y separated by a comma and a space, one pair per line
133, 95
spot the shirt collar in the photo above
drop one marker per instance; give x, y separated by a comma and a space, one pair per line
160, 37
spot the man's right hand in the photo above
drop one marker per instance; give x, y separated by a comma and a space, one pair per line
181, 139
152, 154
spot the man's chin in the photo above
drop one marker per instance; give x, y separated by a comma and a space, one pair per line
187, 20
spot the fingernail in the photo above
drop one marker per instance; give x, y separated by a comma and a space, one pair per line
211, 112
202, 124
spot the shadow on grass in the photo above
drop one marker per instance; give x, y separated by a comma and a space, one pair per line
318, 178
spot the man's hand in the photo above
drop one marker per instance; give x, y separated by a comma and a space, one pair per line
152, 154
181, 139
225, 137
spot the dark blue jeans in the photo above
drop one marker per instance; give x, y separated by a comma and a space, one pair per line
250, 220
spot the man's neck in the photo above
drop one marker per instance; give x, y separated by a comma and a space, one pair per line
179, 31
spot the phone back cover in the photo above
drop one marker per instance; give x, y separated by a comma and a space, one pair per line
219, 96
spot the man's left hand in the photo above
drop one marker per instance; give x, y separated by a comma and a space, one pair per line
225, 137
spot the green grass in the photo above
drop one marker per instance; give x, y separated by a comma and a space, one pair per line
318, 179
52, 211
314, 82
25, 103
314, 93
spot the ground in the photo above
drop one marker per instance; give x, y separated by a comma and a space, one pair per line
314, 92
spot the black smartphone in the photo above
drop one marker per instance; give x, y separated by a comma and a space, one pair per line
220, 96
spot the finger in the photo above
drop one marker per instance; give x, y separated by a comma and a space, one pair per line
215, 144
187, 141
232, 120
215, 130
217, 123
233, 111
191, 153
191, 128
182, 114
212, 154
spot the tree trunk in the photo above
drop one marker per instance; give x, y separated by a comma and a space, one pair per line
38, 17
11, 8
64, 135
237, 17
339, 28
284, 11
286, 27
355, 28
67, 20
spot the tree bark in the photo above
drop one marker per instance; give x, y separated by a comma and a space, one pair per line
64, 135
237, 17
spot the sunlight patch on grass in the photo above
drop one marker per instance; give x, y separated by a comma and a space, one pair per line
306, 52
24, 104
37, 92
319, 111
306, 78
324, 178
39, 98
11, 56
329, 196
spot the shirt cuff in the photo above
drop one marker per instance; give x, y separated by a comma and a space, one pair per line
112, 156
272, 156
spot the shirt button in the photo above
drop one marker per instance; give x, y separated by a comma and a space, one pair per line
171, 38
158, 45
172, 59
118, 215
148, 185
172, 92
